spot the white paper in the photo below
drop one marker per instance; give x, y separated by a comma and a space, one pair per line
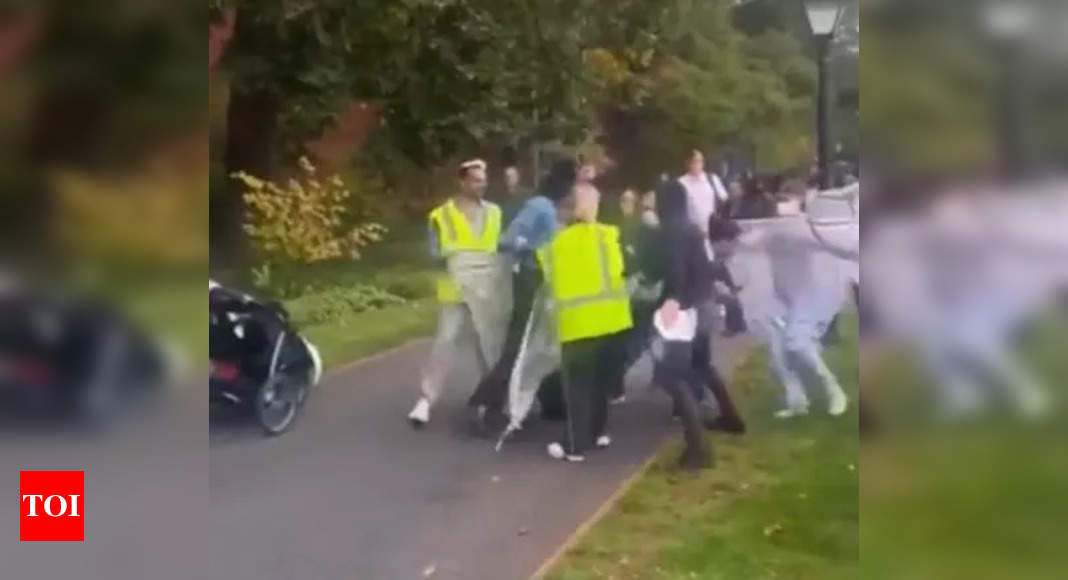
684, 329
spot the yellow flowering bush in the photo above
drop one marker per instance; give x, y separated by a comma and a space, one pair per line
151, 217
308, 220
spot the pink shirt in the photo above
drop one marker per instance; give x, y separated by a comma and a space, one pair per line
701, 196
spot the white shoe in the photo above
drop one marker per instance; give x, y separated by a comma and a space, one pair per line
604, 441
791, 412
556, 451
838, 404
420, 414
1033, 403
618, 400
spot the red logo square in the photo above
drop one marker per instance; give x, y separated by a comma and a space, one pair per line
52, 506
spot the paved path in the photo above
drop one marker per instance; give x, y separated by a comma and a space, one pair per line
352, 492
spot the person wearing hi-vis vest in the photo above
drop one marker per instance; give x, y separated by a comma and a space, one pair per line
473, 287
583, 271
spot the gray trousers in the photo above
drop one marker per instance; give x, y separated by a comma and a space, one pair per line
455, 324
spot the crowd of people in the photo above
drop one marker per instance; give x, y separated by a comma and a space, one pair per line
563, 304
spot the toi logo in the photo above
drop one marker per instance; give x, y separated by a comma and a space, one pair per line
51, 506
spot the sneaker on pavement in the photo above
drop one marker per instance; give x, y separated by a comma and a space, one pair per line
604, 441
420, 414
618, 400
556, 451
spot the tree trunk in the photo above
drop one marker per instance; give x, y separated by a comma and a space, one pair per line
252, 135
252, 119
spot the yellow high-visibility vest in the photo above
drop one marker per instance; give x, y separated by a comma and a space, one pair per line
455, 235
583, 267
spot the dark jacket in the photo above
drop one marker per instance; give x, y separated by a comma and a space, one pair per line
640, 254
687, 272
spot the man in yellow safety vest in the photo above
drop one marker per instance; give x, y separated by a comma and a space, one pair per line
473, 286
583, 271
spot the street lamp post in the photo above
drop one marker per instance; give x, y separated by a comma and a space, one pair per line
1010, 24
823, 19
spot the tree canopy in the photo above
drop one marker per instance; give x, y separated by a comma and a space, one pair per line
451, 76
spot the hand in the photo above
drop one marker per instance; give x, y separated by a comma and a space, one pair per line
669, 312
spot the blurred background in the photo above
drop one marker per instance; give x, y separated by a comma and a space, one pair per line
964, 255
103, 252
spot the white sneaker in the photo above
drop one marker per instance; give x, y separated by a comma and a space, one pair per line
420, 414
838, 404
618, 400
791, 412
556, 451
604, 441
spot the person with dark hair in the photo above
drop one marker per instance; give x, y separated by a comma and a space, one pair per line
463, 234
533, 226
755, 202
685, 366
512, 194
704, 190
640, 240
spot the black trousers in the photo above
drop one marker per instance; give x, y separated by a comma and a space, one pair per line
703, 377
675, 374
636, 340
590, 367
492, 390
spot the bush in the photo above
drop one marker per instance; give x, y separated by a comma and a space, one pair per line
335, 305
306, 221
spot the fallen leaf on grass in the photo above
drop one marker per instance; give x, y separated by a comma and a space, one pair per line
772, 529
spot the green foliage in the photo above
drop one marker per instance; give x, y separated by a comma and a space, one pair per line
928, 89
712, 87
453, 77
306, 221
338, 304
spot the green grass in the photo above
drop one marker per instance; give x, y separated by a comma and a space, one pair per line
368, 332
782, 501
982, 498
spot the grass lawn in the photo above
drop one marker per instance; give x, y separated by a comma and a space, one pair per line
981, 498
782, 501
366, 333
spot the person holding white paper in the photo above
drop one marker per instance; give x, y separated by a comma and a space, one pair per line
684, 323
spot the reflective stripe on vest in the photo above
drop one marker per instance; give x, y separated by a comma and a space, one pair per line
598, 311
607, 293
455, 235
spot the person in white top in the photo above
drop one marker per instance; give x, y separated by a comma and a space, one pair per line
703, 191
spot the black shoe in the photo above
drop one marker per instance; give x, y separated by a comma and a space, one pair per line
733, 426
693, 461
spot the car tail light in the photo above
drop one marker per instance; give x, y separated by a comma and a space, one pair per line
27, 372
224, 370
